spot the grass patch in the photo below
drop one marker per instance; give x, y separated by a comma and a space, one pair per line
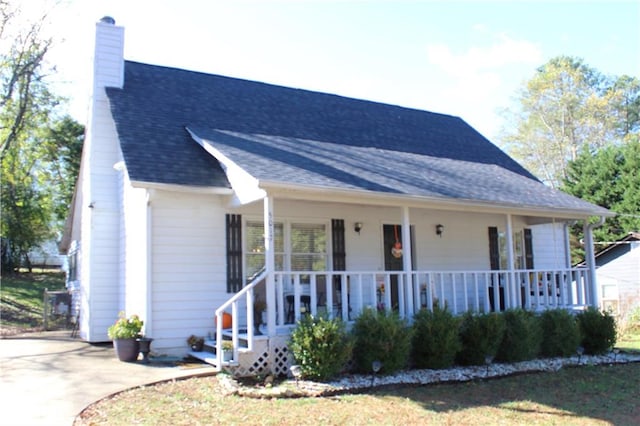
21, 298
575, 396
630, 341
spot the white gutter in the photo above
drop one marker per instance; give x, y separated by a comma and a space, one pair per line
182, 188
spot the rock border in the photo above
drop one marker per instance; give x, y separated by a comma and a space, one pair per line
290, 388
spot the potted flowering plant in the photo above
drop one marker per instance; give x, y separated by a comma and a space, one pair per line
124, 333
227, 350
195, 343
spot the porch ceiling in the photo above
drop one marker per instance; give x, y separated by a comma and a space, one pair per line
378, 176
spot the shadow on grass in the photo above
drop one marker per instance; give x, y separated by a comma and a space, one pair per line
602, 392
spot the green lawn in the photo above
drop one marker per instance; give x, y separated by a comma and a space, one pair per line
21, 299
587, 395
630, 341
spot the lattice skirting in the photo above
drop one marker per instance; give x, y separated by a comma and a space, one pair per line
269, 356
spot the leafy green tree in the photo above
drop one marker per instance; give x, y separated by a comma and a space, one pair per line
62, 144
565, 108
24, 96
609, 177
39, 153
625, 99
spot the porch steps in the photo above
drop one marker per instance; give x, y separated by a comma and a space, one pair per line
208, 354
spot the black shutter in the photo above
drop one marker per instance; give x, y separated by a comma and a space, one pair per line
234, 253
339, 250
494, 248
528, 249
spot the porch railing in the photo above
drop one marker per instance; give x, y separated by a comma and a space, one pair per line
346, 294
235, 303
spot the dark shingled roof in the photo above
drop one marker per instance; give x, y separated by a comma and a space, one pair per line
297, 136
329, 165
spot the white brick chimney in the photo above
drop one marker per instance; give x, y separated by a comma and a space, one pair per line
108, 60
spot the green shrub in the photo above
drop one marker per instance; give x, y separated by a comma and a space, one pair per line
435, 340
598, 331
560, 333
522, 336
126, 328
381, 336
321, 347
480, 335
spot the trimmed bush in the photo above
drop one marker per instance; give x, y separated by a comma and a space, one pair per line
522, 336
598, 331
435, 340
322, 347
381, 336
480, 335
560, 333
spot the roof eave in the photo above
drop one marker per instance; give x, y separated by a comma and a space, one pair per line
441, 203
194, 189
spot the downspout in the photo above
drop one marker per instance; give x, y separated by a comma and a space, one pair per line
567, 243
148, 329
591, 259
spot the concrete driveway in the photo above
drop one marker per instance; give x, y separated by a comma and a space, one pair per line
48, 378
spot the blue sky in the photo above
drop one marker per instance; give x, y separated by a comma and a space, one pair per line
464, 58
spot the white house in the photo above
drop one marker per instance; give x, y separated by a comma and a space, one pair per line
199, 193
618, 275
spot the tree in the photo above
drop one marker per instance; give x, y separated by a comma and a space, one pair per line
567, 107
63, 150
609, 177
39, 152
625, 98
24, 96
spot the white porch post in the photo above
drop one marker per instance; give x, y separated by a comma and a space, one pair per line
406, 262
511, 299
589, 257
269, 263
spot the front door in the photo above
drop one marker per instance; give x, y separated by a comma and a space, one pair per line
393, 253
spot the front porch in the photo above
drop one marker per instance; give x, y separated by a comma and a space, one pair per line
260, 341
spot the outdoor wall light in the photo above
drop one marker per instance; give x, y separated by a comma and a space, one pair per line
439, 230
357, 227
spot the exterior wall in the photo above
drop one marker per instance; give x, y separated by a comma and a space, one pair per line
464, 244
134, 253
188, 251
619, 282
188, 268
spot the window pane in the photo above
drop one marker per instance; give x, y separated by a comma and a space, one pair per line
255, 249
308, 262
308, 238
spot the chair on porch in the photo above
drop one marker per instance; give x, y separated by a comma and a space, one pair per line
305, 303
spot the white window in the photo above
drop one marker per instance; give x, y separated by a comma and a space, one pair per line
298, 246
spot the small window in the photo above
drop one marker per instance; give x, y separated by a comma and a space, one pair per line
73, 267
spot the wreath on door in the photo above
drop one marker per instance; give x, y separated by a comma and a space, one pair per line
396, 250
